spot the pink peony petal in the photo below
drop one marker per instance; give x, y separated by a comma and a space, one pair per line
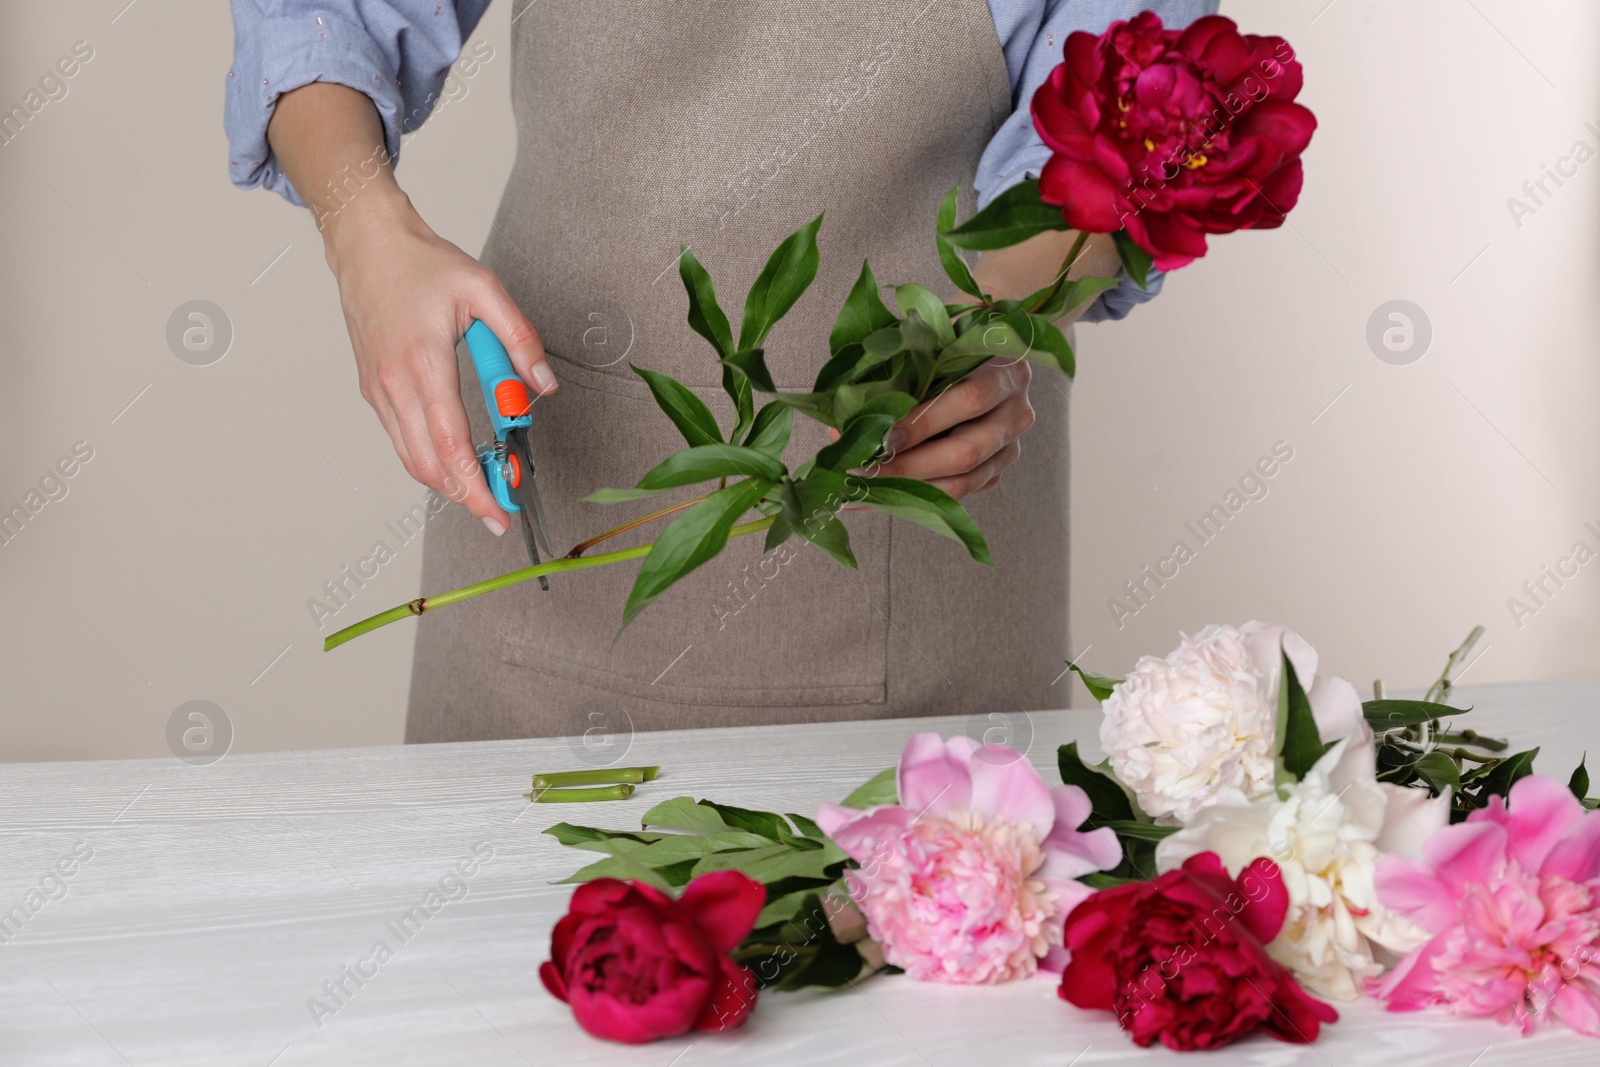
933, 775
1410, 986
1579, 1008
1004, 784
1577, 856
723, 906
1541, 810
858, 831
1069, 853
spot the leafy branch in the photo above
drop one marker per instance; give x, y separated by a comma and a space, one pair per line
882, 362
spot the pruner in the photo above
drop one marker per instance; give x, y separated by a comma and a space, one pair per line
508, 463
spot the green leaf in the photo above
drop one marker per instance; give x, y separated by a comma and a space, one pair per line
773, 862
984, 341
809, 507
876, 791
694, 537
1439, 771
955, 268
864, 311
1135, 260
926, 505
1384, 715
737, 386
806, 826
1099, 685
1061, 296
860, 440
1010, 218
686, 813
839, 369
752, 363
928, 307
1299, 743
1140, 831
769, 432
1107, 796
766, 823
587, 836
788, 273
705, 462
705, 314
687, 411
1579, 782
620, 867
1046, 343
1506, 773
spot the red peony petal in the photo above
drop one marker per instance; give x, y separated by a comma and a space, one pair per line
1288, 126
1281, 191
1092, 932
723, 905
1088, 200
1214, 43
1266, 898
550, 975
591, 898
1059, 124
1297, 1017
732, 999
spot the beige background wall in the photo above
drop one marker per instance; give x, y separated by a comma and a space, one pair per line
1418, 499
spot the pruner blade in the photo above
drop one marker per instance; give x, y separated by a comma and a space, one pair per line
526, 492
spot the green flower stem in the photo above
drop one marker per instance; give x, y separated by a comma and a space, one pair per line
467, 592
621, 791
599, 776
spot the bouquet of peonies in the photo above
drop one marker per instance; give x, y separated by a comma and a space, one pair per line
1257, 842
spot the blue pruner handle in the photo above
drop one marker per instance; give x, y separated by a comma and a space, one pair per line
504, 394
507, 398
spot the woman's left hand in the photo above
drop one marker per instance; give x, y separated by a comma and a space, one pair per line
985, 413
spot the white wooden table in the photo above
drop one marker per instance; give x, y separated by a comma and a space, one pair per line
216, 901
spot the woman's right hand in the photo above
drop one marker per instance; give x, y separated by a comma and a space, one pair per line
408, 297
408, 294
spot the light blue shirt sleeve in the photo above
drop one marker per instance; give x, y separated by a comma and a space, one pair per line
398, 53
1031, 34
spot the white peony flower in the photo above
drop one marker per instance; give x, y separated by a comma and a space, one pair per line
1181, 730
1326, 837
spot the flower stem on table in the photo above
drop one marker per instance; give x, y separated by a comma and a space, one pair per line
620, 791
599, 776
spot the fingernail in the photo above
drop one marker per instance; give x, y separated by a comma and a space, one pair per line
544, 378
896, 440
496, 527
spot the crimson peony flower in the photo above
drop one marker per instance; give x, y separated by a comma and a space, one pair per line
1173, 134
636, 965
1181, 958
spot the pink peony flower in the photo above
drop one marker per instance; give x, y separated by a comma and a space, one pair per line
968, 879
1512, 899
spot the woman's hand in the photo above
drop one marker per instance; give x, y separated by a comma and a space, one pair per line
408, 294
962, 439
988, 410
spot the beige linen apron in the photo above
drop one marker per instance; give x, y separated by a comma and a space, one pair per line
725, 126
